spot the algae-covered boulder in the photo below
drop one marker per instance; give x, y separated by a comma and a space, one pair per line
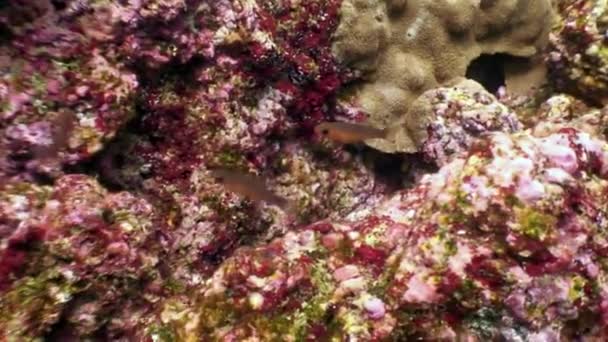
114, 114
578, 53
75, 253
445, 121
505, 242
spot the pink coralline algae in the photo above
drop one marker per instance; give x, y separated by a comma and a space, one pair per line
578, 54
114, 113
456, 116
51, 73
562, 111
503, 243
73, 252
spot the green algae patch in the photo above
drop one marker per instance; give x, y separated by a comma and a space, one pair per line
277, 325
381, 284
34, 304
231, 159
178, 322
161, 333
314, 309
534, 224
577, 289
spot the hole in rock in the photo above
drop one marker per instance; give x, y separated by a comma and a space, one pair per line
59, 5
5, 34
115, 166
395, 171
488, 70
519, 75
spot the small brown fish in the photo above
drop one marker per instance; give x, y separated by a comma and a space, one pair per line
249, 186
349, 133
61, 128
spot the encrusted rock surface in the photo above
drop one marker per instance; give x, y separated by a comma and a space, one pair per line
578, 54
77, 254
445, 121
505, 242
114, 112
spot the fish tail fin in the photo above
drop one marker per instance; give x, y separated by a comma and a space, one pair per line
388, 131
385, 132
376, 133
287, 205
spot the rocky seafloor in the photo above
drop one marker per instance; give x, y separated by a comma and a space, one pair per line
482, 216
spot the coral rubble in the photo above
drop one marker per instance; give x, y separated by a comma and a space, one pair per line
114, 115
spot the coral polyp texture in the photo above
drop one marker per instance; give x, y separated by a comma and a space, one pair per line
403, 48
483, 214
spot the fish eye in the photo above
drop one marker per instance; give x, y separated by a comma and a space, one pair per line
325, 131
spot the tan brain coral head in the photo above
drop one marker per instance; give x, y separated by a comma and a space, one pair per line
364, 31
405, 47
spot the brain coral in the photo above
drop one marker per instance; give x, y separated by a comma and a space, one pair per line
404, 48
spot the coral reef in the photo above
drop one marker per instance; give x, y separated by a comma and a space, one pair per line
114, 115
578, 55
406, 48
54, 75
483, 247
562, 111
79, 256
444, 122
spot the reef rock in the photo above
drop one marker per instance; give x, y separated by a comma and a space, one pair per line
563, 111
578, 56
112, 227
505, 242
404, 48
445, 121
76, 253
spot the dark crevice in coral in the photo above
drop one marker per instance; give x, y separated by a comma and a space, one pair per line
90, 167
388, 169
150, 78
18, 160
59, 5
43, 179
489, 71
5, 35
107, 164
61, 331
396, 171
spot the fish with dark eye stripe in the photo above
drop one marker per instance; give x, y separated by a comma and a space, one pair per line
349, 133
249, 186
